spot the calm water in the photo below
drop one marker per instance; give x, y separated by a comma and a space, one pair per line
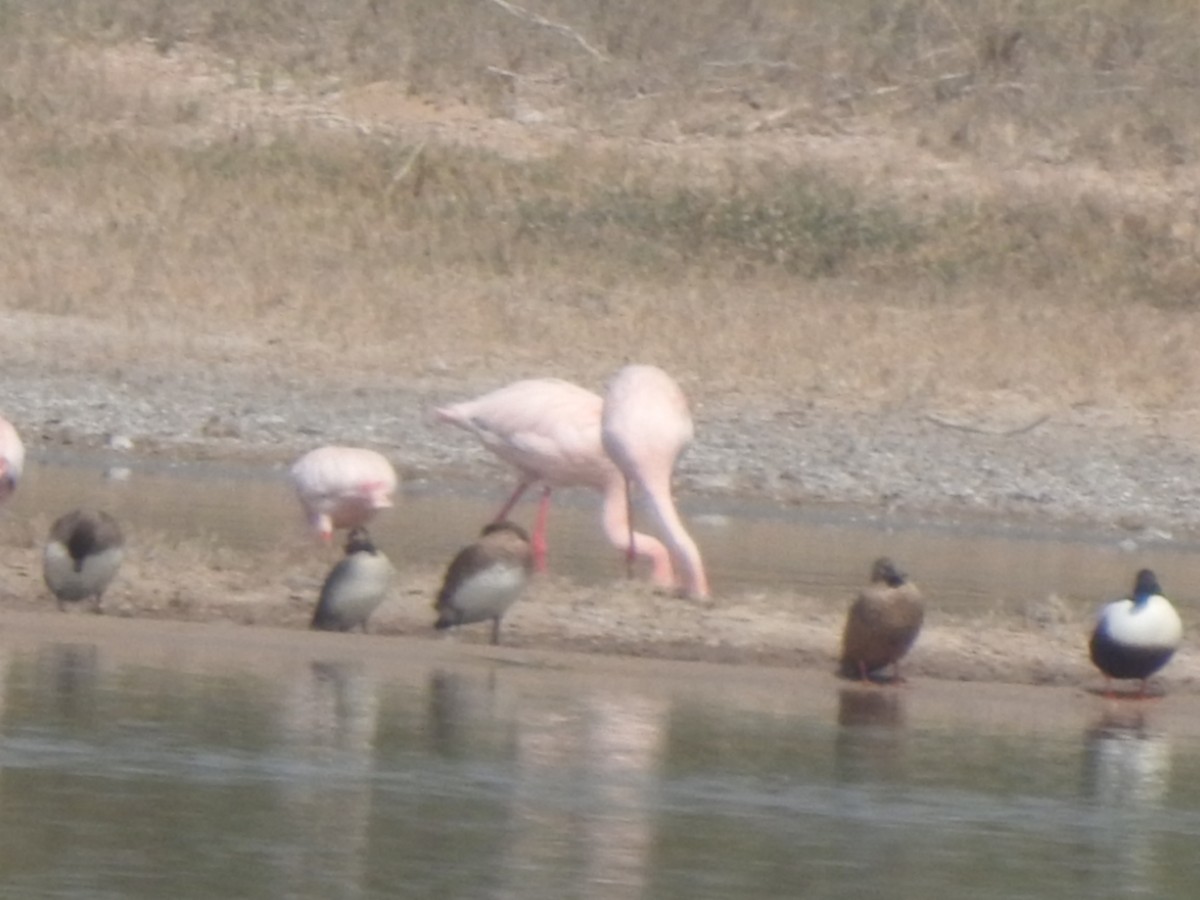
330, 777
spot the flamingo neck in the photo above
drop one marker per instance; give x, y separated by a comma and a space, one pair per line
618, 530
657, 487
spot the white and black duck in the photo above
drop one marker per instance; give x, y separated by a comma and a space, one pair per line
1136, 636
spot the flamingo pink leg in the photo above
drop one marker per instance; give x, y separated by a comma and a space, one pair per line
537, 541
631, 550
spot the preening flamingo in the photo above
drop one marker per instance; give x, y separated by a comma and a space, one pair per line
12, 459
82, 556
645, 426
342, 487
549, 430
485, 578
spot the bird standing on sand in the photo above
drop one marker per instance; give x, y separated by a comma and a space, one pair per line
342, 487
82, 556
882, 624
355, 586
485, 578
1135, 637
645, 425
12, 459
549, 430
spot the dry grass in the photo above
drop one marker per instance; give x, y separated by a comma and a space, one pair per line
897, 201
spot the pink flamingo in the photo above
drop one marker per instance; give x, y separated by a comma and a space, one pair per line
645, 426
12, 459
342, 487
549, 430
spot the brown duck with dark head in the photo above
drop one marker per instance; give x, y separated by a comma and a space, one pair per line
882, 624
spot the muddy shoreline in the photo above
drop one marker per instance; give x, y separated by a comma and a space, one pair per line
1004, 459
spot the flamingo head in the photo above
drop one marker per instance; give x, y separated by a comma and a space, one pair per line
378, 495
322, 526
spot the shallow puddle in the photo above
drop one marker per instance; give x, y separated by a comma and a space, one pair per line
970, 566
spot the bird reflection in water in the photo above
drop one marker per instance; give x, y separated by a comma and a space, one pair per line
869, 744
70, 672
862, 707
335, 710
330, 721
445, 701
584, 789
463, 711
1127, 766
1127, 763
870, 754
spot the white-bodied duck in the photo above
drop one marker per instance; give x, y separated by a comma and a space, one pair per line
1136, 636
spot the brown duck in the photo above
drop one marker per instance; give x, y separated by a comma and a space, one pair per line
485, 578
882, 623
